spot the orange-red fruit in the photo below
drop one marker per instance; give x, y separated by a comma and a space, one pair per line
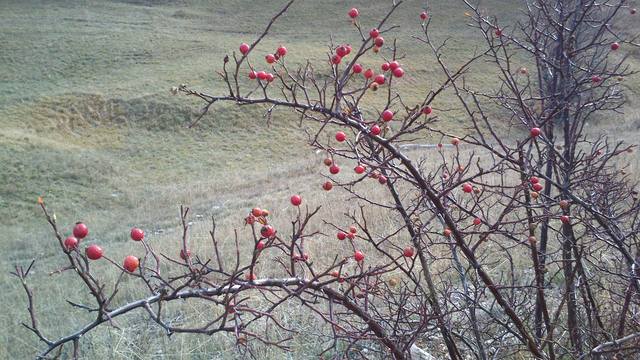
455, 141
368, 74
353, 13
256, 212
328, 185
341, 235
260, 245
615, 46
467, 188
250, 276
427, 110
537, 187
565, 219
380, 79
359, 169
341, 136
137, 234
424, 15
399, 72
477, 221
447, 232
270, 58
267, 231
334, 169
387, 115
358, 256
131, 263
296, 200
374, 33
336, 59
375, 130
382, 179
94, 252
183, 256
385, 66
394, 65
534, 180
244, 48
282, 51
70, 243
535, 132
252, 75
352, 229
250, 219
408, 252
379, 41
357, 68
80, 231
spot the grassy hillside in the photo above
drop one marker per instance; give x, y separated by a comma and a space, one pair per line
86, 120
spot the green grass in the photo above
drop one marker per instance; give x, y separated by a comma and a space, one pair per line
86, 120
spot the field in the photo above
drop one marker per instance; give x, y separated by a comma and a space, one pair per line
87, 122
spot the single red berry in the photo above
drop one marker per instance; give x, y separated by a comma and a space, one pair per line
244, 48
455, 141
282, 51
257, 212
535, 132
261, 75
341, 235
565, 219
348, 49
399, 72
498, 32
336, 59
387, 115
341, 51
477, 221
394, 65
80, 231
353, 229
353, 13
260, 245
267, 231
270, 77
183, 256
340, 136
368, 74
357, 68
447, 232
351, 236
467, 188
334, 169
596, 79
359, 169
327, 186
358, 256
537, 187
131, 263
375, 130
270, 58
379, 41
534, 180
250, 220
382, 179
296, 200
615, 46
374, 33
408, 252
94, 252
385, 66
427, 110
137, 234
70, 243
252, 75
250, 277
424, 15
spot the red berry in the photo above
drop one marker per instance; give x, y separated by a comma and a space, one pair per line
534, 180
387, 115
399, 72
261, 75
455, 141
270, 77
427, 110
70, 243
477, 221
596, 79
348, 49
80, 231
260, 245
353, 229
382, 179
379, 41
252, 75
351, 236
94, 252
537, 187
340, 136
358, 256
565, 219
183, 256
296, 200
265, 213
408, 252
250, 220
535, 132
353, 13
467, 188
335, 273
385, 66
424, 15
341, 235
447, 232
334, 169
282, 51
342, 51
359, 169
368, 74
244, 48
267, 231
328, 185
498, 32
257, 212
131, 263
379, 79
336, 59
374, 33
375, 130
270, 58
137, 234
394, 65
357, 68
615, 46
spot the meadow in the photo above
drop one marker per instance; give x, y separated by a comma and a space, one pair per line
88, 123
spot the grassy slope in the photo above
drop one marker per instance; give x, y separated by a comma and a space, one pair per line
85, 119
